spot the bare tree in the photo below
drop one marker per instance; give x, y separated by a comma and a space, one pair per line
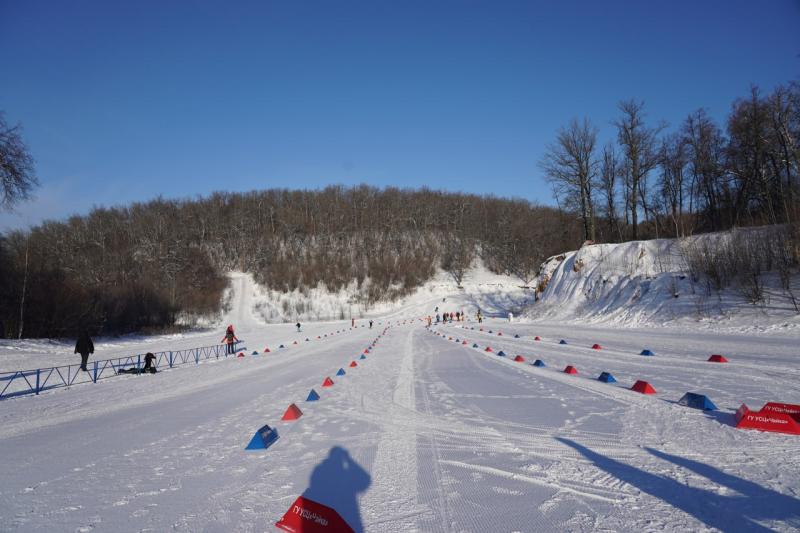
609, 172
705, 146
673, 164
570, 168
17, 178
638, 143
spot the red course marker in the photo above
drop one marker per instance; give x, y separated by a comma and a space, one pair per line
777, 417
643, 387
292, 413
353, 363
717, 359
570, 370
308, 516
328, 382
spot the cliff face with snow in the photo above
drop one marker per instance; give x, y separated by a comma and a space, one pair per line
652, 282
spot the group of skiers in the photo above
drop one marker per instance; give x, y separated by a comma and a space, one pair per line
449, 317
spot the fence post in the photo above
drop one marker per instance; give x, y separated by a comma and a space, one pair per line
37, 381
95, 372
170, 359
197, 356
139, 362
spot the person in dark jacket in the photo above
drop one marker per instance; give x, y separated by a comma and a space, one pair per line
148, 363
84, 346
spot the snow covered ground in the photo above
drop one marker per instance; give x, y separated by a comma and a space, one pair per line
425, 434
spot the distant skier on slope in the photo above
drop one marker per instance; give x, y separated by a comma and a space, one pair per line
229, 339
298, 327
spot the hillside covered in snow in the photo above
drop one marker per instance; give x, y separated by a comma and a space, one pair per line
741, 278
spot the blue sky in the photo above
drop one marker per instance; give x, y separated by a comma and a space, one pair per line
126, 101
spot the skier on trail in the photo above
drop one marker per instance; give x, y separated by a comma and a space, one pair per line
298, 327
370, 324
230, 339
84, 346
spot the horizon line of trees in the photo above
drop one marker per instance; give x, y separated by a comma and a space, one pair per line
656, 182
151, 265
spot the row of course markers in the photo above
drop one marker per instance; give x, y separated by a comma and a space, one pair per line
773, 417
645, 352
305, 514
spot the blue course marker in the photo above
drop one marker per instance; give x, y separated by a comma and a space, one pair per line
646, 352
516, 336
312, 396
281, 346
538, 362
340, 372
263, 439
475, 345
606, 377
562, 341
254, 353
697, 401
501, 353
363, 356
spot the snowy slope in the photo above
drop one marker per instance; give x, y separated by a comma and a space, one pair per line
425, 434
649, 283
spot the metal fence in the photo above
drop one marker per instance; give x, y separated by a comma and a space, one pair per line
23, 382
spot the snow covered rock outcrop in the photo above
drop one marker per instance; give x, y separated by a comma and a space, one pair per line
654, 282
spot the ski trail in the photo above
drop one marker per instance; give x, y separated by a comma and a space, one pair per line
394, 473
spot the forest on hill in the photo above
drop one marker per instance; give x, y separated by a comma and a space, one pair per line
151, 265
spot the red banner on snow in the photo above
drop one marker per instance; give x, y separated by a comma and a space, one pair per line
308, 516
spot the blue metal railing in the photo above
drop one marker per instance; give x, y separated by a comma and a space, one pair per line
23, 382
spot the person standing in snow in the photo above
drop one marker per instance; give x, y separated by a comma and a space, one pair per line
510, 316
352, 322
84, 346
370, 324
437, 318
298, 327
229, 339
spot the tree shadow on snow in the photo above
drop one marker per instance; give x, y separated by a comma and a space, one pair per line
739, 511
336, 482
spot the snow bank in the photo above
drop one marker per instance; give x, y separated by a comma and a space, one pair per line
649, 282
